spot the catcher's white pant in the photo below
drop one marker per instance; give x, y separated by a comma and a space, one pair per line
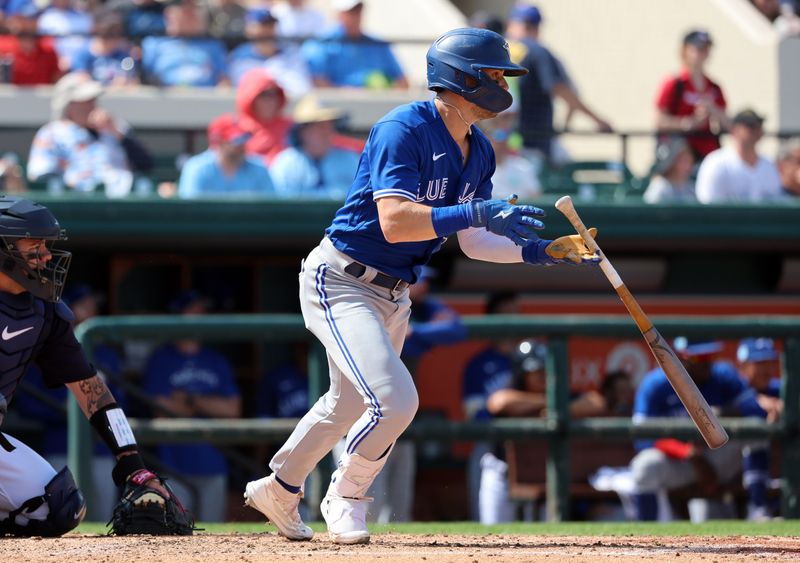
372, 397
23, 476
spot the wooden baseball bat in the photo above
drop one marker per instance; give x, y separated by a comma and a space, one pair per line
696, 405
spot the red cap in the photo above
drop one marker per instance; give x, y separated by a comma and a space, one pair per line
226, 129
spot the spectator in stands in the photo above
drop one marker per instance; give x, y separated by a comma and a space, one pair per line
85, 146
514, 173
260, 102
36, 401
142, 18
224, 169
690, 103
671, 180
757, 360
432, 324
669, 464
789, 167
346, 56
70, 25
737, 173
108, 58
264, 51
485, 373
25, 59
297, 20
312, 167
188, 379
186, 57
12, 178
226, 21
546, 80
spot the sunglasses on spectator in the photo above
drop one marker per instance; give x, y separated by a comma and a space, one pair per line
271, 93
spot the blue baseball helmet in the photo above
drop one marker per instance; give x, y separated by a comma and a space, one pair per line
456, 61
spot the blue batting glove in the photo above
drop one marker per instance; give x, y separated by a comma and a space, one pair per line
502, 217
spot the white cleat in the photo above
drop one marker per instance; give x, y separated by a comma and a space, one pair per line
279, 506
346, 519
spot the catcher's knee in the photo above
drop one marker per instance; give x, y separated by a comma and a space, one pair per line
66, 505
647, 468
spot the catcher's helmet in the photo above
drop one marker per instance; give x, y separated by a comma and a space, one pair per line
23, 219
456, 61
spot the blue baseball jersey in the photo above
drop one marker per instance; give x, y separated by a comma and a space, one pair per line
487, 372
204, 373
283, 393
724, 389
411, 154
427, 333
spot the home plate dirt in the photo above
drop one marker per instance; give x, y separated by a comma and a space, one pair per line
401, 548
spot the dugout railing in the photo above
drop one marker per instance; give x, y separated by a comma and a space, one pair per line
556, 427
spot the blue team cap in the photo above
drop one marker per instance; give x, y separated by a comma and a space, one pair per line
260, 15
756, 350
685, 347
525, 13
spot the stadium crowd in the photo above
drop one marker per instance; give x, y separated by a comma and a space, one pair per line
274, 55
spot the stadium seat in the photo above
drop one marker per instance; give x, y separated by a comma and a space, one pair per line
591, 179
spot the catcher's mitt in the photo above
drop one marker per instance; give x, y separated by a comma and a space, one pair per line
144, 510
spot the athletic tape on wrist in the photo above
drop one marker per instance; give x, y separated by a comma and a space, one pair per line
112, 426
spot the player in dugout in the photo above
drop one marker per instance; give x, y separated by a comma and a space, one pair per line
425, 175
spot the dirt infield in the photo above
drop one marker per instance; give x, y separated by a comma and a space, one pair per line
401, 548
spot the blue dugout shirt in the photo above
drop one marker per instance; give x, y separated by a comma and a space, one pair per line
177, 61
487, 372
204, 373
656, 398
411, 154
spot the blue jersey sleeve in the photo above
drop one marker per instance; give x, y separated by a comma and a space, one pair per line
394, 161
735, 392
774, 388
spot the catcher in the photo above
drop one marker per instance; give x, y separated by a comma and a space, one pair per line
35, 499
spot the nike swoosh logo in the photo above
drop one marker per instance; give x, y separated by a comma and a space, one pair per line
9, 335
438, 156
505, 213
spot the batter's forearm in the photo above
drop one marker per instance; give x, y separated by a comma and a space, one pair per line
403, 220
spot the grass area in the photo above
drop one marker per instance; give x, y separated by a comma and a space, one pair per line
715, 528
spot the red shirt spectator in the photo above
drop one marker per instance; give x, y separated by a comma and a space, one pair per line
691, 103
260, 102
31, 63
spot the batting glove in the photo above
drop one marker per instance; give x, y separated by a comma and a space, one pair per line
502, 217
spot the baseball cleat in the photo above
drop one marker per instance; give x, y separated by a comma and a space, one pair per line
346, 519
279, 506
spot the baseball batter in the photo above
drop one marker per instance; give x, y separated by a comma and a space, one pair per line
425, 174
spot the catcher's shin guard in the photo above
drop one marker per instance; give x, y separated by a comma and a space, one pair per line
67, 509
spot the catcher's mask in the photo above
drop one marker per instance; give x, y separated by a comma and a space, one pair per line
24, 219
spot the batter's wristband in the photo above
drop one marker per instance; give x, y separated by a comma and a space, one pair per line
536, 253
451, 219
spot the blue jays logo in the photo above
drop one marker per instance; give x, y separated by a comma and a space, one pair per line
436, 189
467, 194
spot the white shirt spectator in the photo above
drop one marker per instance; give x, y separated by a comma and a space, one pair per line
298, 21
725, 177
